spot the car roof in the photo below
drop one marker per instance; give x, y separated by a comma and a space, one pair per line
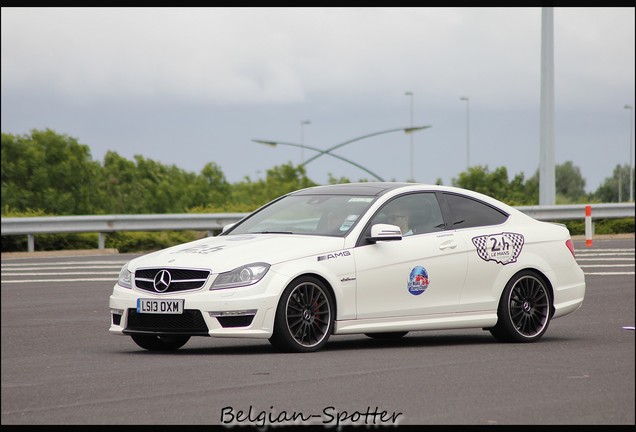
380, 188
361, 189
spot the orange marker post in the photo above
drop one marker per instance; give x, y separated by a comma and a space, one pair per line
588, 226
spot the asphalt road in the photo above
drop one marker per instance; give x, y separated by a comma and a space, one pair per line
61, 366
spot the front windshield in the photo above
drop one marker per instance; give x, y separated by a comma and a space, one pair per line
325, 215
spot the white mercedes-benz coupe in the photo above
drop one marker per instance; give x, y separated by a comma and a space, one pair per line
380, 259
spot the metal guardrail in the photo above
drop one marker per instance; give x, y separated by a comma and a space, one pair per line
577, 211
214, 222
102, 224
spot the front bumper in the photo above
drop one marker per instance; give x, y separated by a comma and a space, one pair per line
236, 312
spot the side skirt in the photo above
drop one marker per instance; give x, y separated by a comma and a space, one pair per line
479, 319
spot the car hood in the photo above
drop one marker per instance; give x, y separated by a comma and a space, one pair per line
225, 253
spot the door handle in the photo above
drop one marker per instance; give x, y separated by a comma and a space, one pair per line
451, 244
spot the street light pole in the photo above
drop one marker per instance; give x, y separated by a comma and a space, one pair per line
465, 98
321, 152
631, 157
407, 130
547, 185
302, 140
328, 151
408, 93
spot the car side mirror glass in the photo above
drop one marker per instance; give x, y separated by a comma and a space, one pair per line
385, 232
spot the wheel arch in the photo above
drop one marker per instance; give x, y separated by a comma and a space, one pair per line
342, 294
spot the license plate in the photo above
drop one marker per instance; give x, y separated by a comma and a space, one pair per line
160, 306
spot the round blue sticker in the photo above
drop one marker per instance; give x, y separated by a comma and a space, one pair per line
418, 280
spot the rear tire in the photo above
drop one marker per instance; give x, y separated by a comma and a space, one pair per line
524, 309
160, 343
304, 316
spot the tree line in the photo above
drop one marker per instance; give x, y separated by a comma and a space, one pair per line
47, 173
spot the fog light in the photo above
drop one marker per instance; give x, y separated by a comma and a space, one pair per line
116, 315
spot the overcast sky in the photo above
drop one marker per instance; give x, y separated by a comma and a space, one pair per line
187, 86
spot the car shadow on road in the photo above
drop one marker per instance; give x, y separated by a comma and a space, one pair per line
418, 339
336, 343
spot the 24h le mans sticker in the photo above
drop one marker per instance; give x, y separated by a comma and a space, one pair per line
503, 248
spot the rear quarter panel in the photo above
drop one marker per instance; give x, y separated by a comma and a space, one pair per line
541, 247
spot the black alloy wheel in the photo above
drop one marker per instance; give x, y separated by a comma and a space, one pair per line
304, 317
524, 309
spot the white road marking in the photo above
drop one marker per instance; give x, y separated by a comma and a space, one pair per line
62, 274
609, 273
59, 280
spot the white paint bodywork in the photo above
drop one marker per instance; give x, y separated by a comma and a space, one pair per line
370, 282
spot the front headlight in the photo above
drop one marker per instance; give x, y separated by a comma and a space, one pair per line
125, 277
241, 276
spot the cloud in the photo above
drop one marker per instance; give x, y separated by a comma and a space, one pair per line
284, 55
137, 80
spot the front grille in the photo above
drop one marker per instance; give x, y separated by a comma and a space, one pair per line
180, 279
235, 320
189, 322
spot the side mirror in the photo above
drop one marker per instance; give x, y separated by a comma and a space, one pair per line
227, 227
385, 232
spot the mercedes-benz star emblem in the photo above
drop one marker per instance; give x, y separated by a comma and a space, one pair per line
162, 280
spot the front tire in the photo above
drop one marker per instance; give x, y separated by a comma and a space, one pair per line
524, 309
160, 343
304, 316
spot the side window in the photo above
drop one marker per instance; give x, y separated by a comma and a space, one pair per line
468, 213
417, 213
425, 216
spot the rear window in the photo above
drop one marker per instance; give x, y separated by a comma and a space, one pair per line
468, 212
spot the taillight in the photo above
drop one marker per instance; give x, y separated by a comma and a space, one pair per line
570, 246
